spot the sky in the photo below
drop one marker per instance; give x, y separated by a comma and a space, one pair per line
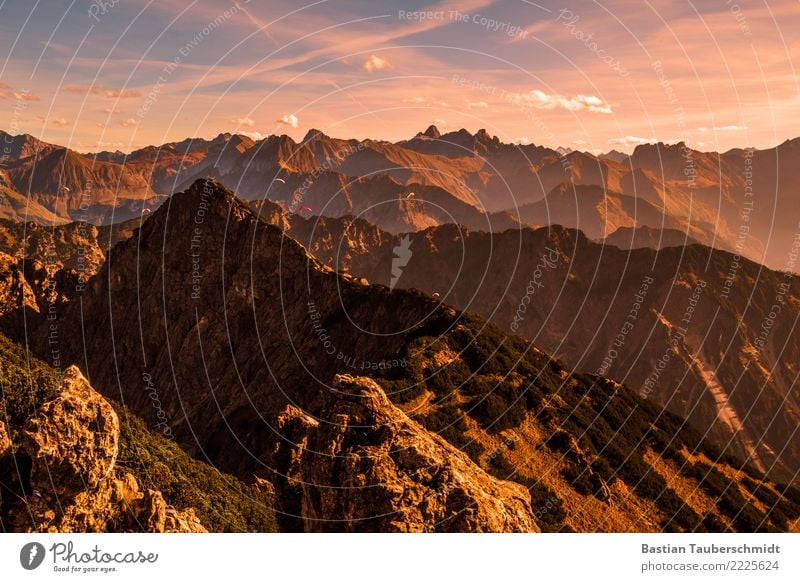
595, 76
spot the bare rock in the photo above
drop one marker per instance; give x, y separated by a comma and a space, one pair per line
73, 444
368, 467
73, 441
5, 440
5, 448
157, 516
15, 290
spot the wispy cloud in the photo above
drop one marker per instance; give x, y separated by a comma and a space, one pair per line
387, 62
245, 121
122, 94
60, 121
432, 101
25, 96
100, 89
723, 128
541, 100
6, 92
628, 140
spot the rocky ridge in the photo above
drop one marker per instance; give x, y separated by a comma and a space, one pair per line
371, 467
76, 486
432, 179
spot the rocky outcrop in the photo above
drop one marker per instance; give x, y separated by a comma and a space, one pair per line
368, 467
5, 441
5, 447
74, 482
15, 290
43, 268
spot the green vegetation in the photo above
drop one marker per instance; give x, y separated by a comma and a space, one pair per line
25, 383
222, 502
600, 430
548, 510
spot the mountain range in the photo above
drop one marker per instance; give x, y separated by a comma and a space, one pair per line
445, 333
740, 200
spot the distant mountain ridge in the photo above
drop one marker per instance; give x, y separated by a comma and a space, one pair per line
432, 179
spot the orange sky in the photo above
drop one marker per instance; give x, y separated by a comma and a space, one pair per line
595, 76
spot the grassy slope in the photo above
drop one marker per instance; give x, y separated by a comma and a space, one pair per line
478, 375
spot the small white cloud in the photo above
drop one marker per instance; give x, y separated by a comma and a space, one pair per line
438, 121
478, 105
627, 140
541, 100
245, 121
290, 120
522, 141
415, 100
254, 135
130, 122
723, 128
374, 63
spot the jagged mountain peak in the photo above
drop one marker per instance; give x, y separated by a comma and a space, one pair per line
17, 147
614, 155
314, 134
432, 132
222, 138
484, 136
206, 200
662, 148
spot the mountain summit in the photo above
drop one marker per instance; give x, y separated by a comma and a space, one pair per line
432, 132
